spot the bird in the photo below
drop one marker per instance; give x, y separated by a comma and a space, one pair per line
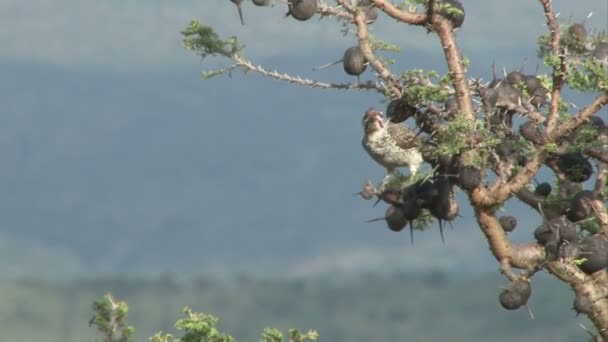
238, 4
392, 145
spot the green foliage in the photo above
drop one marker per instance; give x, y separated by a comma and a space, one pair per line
551, 148
592, 225
200, 327
110, 318
544, 47
588, 76
423, 221
586, 138
161, 337
552, 61
447, 9
378, 44
579, 262
545, 80
521, 86
455, 136
206, 42
272, 335
453, 139
212, 73
197, 327
296, 336
419, 90
275, 335
585, 74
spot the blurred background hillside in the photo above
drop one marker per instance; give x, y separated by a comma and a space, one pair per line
124, 171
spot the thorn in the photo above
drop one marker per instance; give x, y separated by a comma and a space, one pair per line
441, 232
529, 311
412, 232
241, 14
326, 65
451, 226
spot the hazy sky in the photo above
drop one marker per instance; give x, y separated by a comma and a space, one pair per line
129, 34
119, 157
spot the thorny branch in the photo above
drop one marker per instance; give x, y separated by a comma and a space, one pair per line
455, 64
484, 197
559, 72
584, 285
580, 117
248, 66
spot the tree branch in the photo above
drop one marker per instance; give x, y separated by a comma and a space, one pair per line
500, 246
326, 11
450, 48
598, 199
384, 73
584, 285
486, 198
560, 71
599, 155
248, 66
419, 19
455, 65
580, 117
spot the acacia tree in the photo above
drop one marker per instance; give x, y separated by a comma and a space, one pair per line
487, 139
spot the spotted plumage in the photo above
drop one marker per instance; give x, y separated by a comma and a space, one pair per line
390, 144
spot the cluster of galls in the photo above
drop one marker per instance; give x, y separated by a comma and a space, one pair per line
564, 213
433, 197
563, 238
517, 92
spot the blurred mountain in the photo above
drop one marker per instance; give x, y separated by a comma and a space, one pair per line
412, 306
